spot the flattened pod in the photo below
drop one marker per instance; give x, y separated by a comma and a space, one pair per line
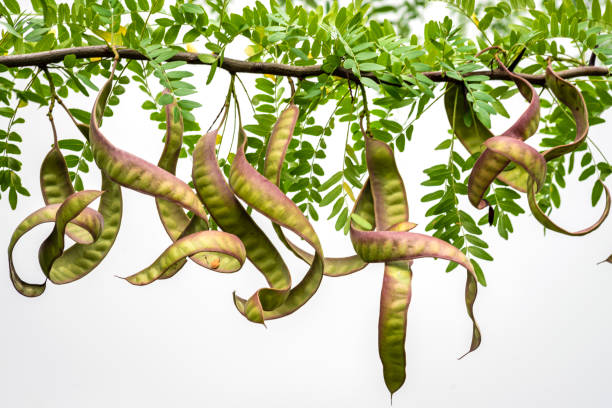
266, 198
135, 173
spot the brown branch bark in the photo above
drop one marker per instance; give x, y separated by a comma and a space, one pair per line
237, 66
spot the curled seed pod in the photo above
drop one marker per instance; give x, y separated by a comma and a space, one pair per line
53, 246
135, 173
266, 198
509, 147
384, 198
55, 186
176, 223
226, 249
230, 215
80, 259
61, 214
273, 164
571, 97
475, 133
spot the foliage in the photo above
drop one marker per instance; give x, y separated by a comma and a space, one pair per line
367, 64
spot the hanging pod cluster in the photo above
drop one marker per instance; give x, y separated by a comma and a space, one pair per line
497, 152
380, 229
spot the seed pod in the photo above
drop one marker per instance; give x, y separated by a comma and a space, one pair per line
509, 147
176, 223
571, 97
383, 203
273, 164
266, 198
227, 248
473, 136
135, 173
230, 215
53, 246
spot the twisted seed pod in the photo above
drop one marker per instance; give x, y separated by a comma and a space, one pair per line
571, 97
392, 244
500, 152
176, 223
230, 215
273, 164
55, 186
227, 248
80, 259
473, 136
135, 173
266, 198
52, 247
226, 252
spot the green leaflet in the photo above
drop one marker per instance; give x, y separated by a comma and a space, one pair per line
275, 155
608, 259
265, 197
176, 223
226, 253
392, 244
229, 214
571, 97
52, 247
135, 173
492, 161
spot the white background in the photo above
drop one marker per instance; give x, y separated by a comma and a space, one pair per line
100, 342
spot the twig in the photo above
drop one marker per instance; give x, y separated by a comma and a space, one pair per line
51, 103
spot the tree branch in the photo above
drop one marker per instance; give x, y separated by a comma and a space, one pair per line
236, 66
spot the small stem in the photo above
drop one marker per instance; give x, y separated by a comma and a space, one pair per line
237, 108
365, 111
63, 105
246, 92
226, 105
292, 86
51, 103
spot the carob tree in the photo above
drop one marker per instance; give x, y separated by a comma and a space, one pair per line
53, 50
